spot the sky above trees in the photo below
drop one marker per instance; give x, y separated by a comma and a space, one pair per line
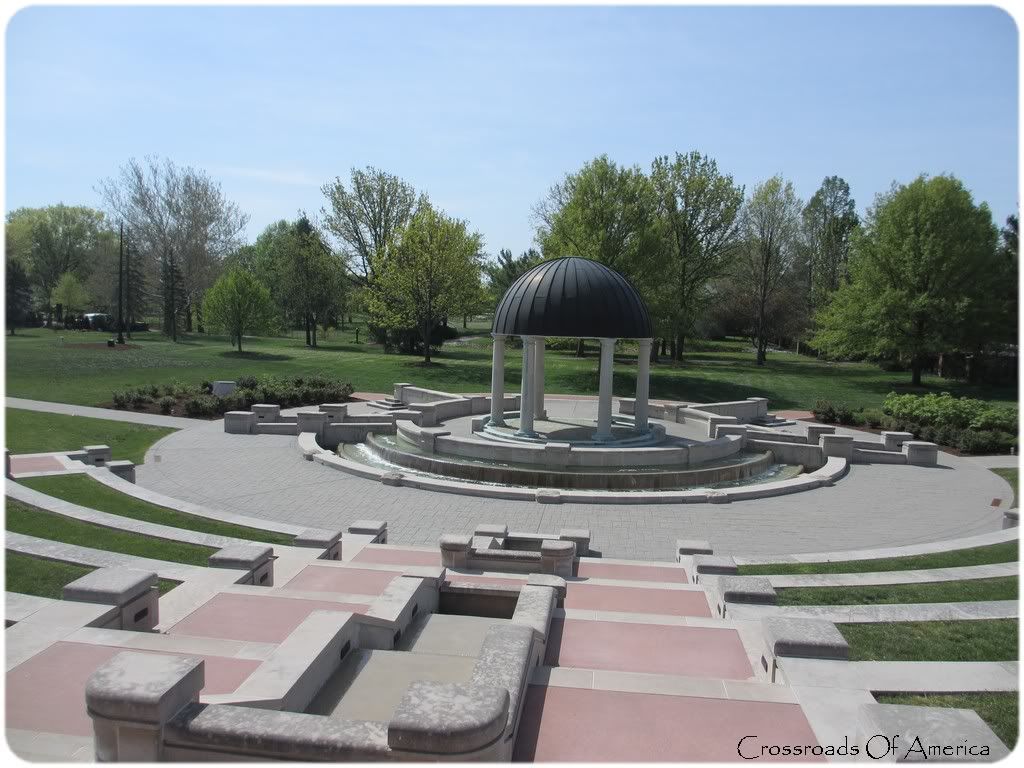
485, 109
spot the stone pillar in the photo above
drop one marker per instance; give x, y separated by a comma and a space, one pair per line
526, 392
538, 379
498, 381
604, 392
643, 384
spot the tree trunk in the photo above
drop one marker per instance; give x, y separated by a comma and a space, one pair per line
426, 342
664, 350
581, 349
674, 349
916, 366
465, 322
305, 321
239, 337
682, 345
199, 319
313, 327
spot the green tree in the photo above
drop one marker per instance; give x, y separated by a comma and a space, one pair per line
765, 267
69, 293
606, 213
238, 304
699, 209
19, 294
507, 269
424, 281
922, 275
828, 222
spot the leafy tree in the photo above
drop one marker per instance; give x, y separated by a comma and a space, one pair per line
699, 209
770, 229
423, 283
606, 213
182, 225
238, 304
922, 275
367, 217
501, 274
70, 293
19, 294
828, 222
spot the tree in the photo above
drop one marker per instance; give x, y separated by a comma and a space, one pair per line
367, 218
922, 275
828, 222
423, 282
19, 294
182, 225
606, 213
70, 293
54, 241
501, 274
238, 304
770, 229
699, 210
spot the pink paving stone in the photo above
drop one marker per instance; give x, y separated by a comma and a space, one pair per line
47, 692
600, 597
354, 581
576, 724
393, 556
631, 572
254, 618
20, 464
651, 648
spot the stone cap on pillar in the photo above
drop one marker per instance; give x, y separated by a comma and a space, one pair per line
370, 527
144, 687
110, 586
317, 537
243, 557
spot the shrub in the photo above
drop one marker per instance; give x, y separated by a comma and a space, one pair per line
153, 390
166, 404
201, 405
982, 441
946, 410
825, 411
206, 386
247, 382
169, 389
138, 397
873, 417
121, 399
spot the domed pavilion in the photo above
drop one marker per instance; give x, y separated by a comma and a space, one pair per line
578, 298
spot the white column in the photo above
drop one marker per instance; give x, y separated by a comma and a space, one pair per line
538, 379
604, 392
498, 381
526, 391
643, 384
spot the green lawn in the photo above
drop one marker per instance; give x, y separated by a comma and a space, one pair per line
1004, 552
39, 366
46, 578
937, 592
999, 710
21, 518
989, 640
82, 489
1010, 475
36, 432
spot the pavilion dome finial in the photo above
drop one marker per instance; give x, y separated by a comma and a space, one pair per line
573, 297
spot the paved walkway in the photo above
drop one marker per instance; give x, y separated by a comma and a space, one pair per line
903, 676
994, 462
872, 614
873, 506
135, 417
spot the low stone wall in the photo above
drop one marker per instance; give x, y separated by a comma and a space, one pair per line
742, 410
810, 456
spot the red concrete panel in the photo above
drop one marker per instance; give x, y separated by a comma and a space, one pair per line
34, 464
353, 581
599, 597
575, 724
652, 648
674, 575
394, 556
47, 692
255, 618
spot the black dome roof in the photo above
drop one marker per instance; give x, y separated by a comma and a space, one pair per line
573, 297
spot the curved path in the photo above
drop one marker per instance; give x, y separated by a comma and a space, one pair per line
874, 506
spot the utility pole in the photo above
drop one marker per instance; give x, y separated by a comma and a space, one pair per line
120, 286
128, 280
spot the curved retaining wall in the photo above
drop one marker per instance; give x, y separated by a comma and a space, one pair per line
542, 478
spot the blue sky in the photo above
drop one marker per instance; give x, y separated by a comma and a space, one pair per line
485, 108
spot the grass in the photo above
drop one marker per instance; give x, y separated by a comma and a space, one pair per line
36, 432
999, 710
76, 371
987, 640
21, 518
1004, 588
83, 490
1010, 475
1004, 552
46, 578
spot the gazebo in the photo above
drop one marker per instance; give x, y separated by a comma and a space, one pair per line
578, 298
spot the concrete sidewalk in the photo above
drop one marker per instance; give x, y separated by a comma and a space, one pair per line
66, 409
